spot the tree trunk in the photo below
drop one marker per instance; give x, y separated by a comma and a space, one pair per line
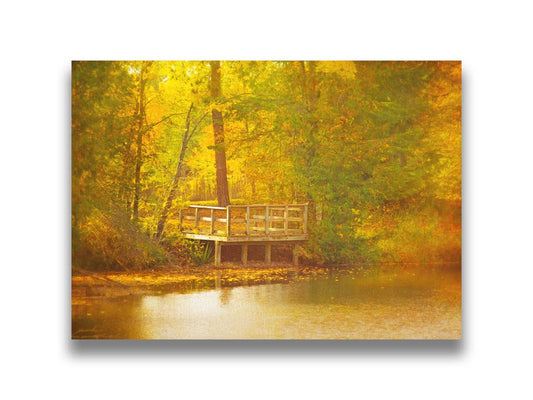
124, 195
218, 131
175, 183
139, 142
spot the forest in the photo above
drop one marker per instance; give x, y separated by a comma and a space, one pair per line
374, 149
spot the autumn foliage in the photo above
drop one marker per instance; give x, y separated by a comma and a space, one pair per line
373, 147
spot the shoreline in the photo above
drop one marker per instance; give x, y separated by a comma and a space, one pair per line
110, 284
88, 285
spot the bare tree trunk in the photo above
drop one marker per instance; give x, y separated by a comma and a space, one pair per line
124, 192
139, 142
218, 131
175, 183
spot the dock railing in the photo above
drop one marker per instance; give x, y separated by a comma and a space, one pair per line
245, 221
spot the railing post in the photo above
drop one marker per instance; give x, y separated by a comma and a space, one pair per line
266, 220
305, 219
212, 221
228, 220
247, 220
196, 220
181, 220
286, 220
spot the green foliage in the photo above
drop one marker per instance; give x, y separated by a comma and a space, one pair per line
186, 251
200, 253
375, 146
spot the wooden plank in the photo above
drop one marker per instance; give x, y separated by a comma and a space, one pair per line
204, 236
261, 238
208, 219
296, 232
189, 217
261, 229
257, 229
263, 205
238, 220
208, 207
262, 242
295, 206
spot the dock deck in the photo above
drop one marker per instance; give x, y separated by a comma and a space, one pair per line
246, 224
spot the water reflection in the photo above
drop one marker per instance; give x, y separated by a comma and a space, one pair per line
385, 304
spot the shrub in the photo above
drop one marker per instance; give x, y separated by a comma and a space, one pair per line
108, 240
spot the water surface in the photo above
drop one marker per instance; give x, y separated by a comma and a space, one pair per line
400, 302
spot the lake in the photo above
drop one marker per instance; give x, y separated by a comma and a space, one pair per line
387, 302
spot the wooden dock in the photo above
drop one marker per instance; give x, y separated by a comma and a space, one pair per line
254, 224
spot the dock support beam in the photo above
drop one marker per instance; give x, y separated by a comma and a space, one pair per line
268, 253
218, 253
244, 254
295, 249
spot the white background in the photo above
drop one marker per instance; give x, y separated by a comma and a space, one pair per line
39, 39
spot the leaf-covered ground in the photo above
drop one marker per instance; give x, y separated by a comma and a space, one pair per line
177, 279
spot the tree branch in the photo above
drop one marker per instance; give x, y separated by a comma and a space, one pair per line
150, 126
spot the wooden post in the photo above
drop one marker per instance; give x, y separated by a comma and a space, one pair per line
268, 253
266, 220
228, 220
196, 218
286, 220
244, 254
212, 221
305, 218
295, 255
181, 219
247, 220
218, 253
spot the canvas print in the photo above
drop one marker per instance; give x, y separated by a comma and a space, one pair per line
266, 200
